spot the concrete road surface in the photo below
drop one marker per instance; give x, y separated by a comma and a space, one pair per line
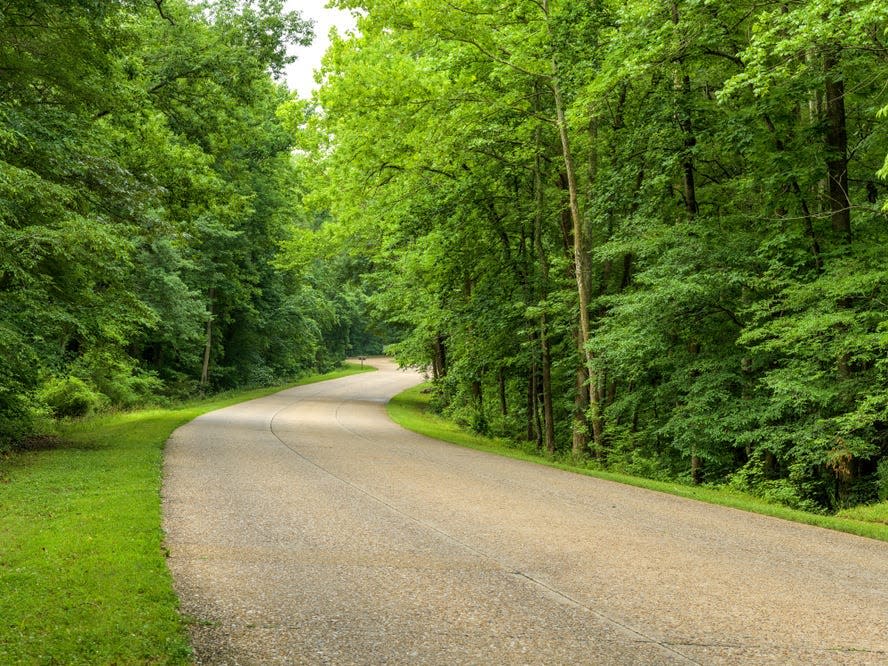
306, 528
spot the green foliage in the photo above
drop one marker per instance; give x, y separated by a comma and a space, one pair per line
18, 377
118, 377
724, 159
146, 187
70, 397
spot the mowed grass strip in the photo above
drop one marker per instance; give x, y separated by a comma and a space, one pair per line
83, 576
411, 410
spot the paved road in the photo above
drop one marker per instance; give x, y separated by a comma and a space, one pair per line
306, 528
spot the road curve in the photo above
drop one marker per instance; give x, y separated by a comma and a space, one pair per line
306, 528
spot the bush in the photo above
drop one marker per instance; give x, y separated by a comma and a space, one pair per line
18, 380
752, 479
70, 396
117, 377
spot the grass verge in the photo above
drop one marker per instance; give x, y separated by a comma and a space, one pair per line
83, 578
410, 410
871, 513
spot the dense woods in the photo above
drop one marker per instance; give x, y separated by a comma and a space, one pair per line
650, 233
647, 234
146, 188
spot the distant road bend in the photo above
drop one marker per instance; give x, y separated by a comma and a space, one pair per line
306, 528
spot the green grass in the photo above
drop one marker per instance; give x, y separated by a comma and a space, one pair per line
871, 513
410, 409
83, 578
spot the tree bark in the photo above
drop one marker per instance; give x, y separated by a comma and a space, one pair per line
205, 369
532, 426
582, 264
548, 413
548, 431
477, 393
440, 360
580, 438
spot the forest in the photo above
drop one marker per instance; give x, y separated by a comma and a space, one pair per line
648, 234
147, 184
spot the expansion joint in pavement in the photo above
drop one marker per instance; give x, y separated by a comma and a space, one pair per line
566, 598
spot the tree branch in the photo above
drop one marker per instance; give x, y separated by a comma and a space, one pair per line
159, 5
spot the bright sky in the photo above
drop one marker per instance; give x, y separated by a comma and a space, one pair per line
300, 75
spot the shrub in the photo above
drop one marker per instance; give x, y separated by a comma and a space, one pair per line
117, 377
70, 396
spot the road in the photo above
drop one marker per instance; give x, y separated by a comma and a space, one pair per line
306, 528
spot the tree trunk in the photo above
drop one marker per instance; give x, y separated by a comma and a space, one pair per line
477, 393
440, 360
685, 122
548, 431
696, 470
548, 413
532, 431
582, 265
688, 143
689, 188
205, 369
696, 462
580, 439
837, 148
